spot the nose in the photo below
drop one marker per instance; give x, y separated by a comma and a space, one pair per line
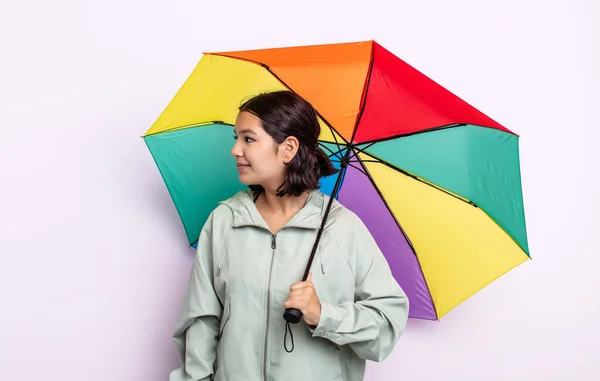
235, 150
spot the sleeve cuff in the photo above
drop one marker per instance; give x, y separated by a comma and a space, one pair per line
331, 318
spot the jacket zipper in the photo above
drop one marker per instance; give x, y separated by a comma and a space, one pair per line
274, 247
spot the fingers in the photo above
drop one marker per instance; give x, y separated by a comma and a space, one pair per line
300, 285
302, 294
306, 283
295, 304
300, 302
298, 291
291, 304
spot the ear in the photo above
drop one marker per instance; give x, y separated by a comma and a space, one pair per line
289, 148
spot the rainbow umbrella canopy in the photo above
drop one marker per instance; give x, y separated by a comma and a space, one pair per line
435, 181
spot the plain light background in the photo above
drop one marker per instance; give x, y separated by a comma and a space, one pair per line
93, 258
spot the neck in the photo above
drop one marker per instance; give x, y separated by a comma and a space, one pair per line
287, 204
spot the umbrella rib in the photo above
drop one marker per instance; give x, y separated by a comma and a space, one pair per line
363, 149
414, 177
432, 129
350, 165
371, 161
333, 131
190, 126
338, 143
378, 160
368, 174
284, 84
327, 149
387, 206
364, 98
358, 169
334, 153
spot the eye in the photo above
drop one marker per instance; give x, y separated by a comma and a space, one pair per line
248, 140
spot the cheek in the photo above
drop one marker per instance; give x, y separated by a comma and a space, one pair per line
266, 163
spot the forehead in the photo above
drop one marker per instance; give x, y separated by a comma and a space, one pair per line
247, 121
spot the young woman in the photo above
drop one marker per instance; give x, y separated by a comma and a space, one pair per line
252, 253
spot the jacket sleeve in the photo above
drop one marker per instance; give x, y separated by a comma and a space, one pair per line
373, 323
197, 328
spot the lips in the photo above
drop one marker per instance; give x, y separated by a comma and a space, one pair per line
242, 166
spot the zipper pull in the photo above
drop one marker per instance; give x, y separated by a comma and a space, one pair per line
273, 243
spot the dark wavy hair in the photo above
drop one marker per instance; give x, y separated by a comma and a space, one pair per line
284, 114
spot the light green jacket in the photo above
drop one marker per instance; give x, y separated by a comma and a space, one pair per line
231, 326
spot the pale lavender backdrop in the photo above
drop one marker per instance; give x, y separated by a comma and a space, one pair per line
93, 260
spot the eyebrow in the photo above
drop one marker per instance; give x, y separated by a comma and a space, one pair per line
247, 131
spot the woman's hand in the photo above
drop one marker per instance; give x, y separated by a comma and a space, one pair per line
304, 298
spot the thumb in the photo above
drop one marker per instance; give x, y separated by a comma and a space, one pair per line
309, 278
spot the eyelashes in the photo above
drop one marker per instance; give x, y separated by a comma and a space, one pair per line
246, 139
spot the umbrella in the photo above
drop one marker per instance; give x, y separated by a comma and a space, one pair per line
436, 182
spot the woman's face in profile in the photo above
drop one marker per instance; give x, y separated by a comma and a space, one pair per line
257, 156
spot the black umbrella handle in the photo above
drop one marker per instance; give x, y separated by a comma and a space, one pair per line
294, 315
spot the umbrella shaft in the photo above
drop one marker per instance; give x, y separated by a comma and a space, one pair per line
343, 165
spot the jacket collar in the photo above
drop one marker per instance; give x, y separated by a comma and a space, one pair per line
245, 212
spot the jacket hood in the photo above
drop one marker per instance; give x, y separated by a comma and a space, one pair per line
310, 216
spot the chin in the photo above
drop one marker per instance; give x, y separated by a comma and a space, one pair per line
245, 180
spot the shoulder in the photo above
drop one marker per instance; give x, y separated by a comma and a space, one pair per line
345, 224
353, 238
223, 215
342, 217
